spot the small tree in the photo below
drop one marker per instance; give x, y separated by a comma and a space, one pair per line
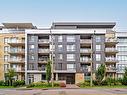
100, 74
9, 75
48, 71
124, 80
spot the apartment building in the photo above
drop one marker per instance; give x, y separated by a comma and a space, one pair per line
12, 48
76, 47
122, 54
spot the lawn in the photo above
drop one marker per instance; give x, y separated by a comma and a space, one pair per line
6, 87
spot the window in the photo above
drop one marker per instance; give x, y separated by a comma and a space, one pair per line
60, 56
70, 66
59, 66
122, 48
70, 47
97, 65
14, 40
121, 67
31, 38
122, 40
6, 57
60, 38
6, 40
6, 48
98, 47
70, 57
6, 67
31, 66
71, 38
32, 57
31, 47
60, 47
98, 38
122, 58
98, 57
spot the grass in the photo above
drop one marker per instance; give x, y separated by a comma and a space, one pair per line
6, 87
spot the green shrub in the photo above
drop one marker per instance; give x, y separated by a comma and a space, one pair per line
43, 84
18, 83
124, 81
2, 83
83, 84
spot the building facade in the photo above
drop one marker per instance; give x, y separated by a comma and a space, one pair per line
75, 48
122, 54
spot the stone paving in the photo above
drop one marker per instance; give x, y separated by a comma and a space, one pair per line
92, 91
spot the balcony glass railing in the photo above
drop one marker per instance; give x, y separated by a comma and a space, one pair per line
111, 59
85, 50
43, 40
84, 59
17, 60
43, 50
110, 49
85, 41
17, 50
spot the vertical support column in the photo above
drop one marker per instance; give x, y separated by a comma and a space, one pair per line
56, 76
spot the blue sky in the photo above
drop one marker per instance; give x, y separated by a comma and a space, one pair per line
44, 12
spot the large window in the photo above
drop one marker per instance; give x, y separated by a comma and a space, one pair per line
122, 40
98, 38
121, 67
70, 57
70, 47
70, 66
122, 48
6, 40
60, 47
98, 57
60, 56
6, 48
31, 38
60, 38
71, 38
59, 66
31, 47
6, 67
122, 58
6, 57
32, 57
31, 66
14, 40
98, 47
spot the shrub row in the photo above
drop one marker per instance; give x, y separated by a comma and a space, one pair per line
45, 84
15, 83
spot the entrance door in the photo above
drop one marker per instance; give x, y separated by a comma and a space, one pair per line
70, 79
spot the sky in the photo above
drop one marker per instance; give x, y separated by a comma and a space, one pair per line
43, 12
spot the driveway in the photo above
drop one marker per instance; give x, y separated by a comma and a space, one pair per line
91, 91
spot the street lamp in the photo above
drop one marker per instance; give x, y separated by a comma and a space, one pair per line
91, 79
52, 66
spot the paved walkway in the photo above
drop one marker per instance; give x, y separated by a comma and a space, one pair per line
92, 91
72, 86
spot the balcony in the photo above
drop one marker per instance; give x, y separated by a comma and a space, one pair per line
43, 42
86, 69
85, 51
13, 60
111, 69
42, 60
17, 52
85, 60
21, 70
111, 60
17, 43
43, 51
41, 68
111, 41
85, 42
111, 50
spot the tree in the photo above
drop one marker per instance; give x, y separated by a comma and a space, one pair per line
100, 73
124, 80
9, 75
48, 71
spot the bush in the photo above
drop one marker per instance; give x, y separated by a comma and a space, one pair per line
62, 84
42, 84
124, 81
2, 83
83, 84
18, 83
